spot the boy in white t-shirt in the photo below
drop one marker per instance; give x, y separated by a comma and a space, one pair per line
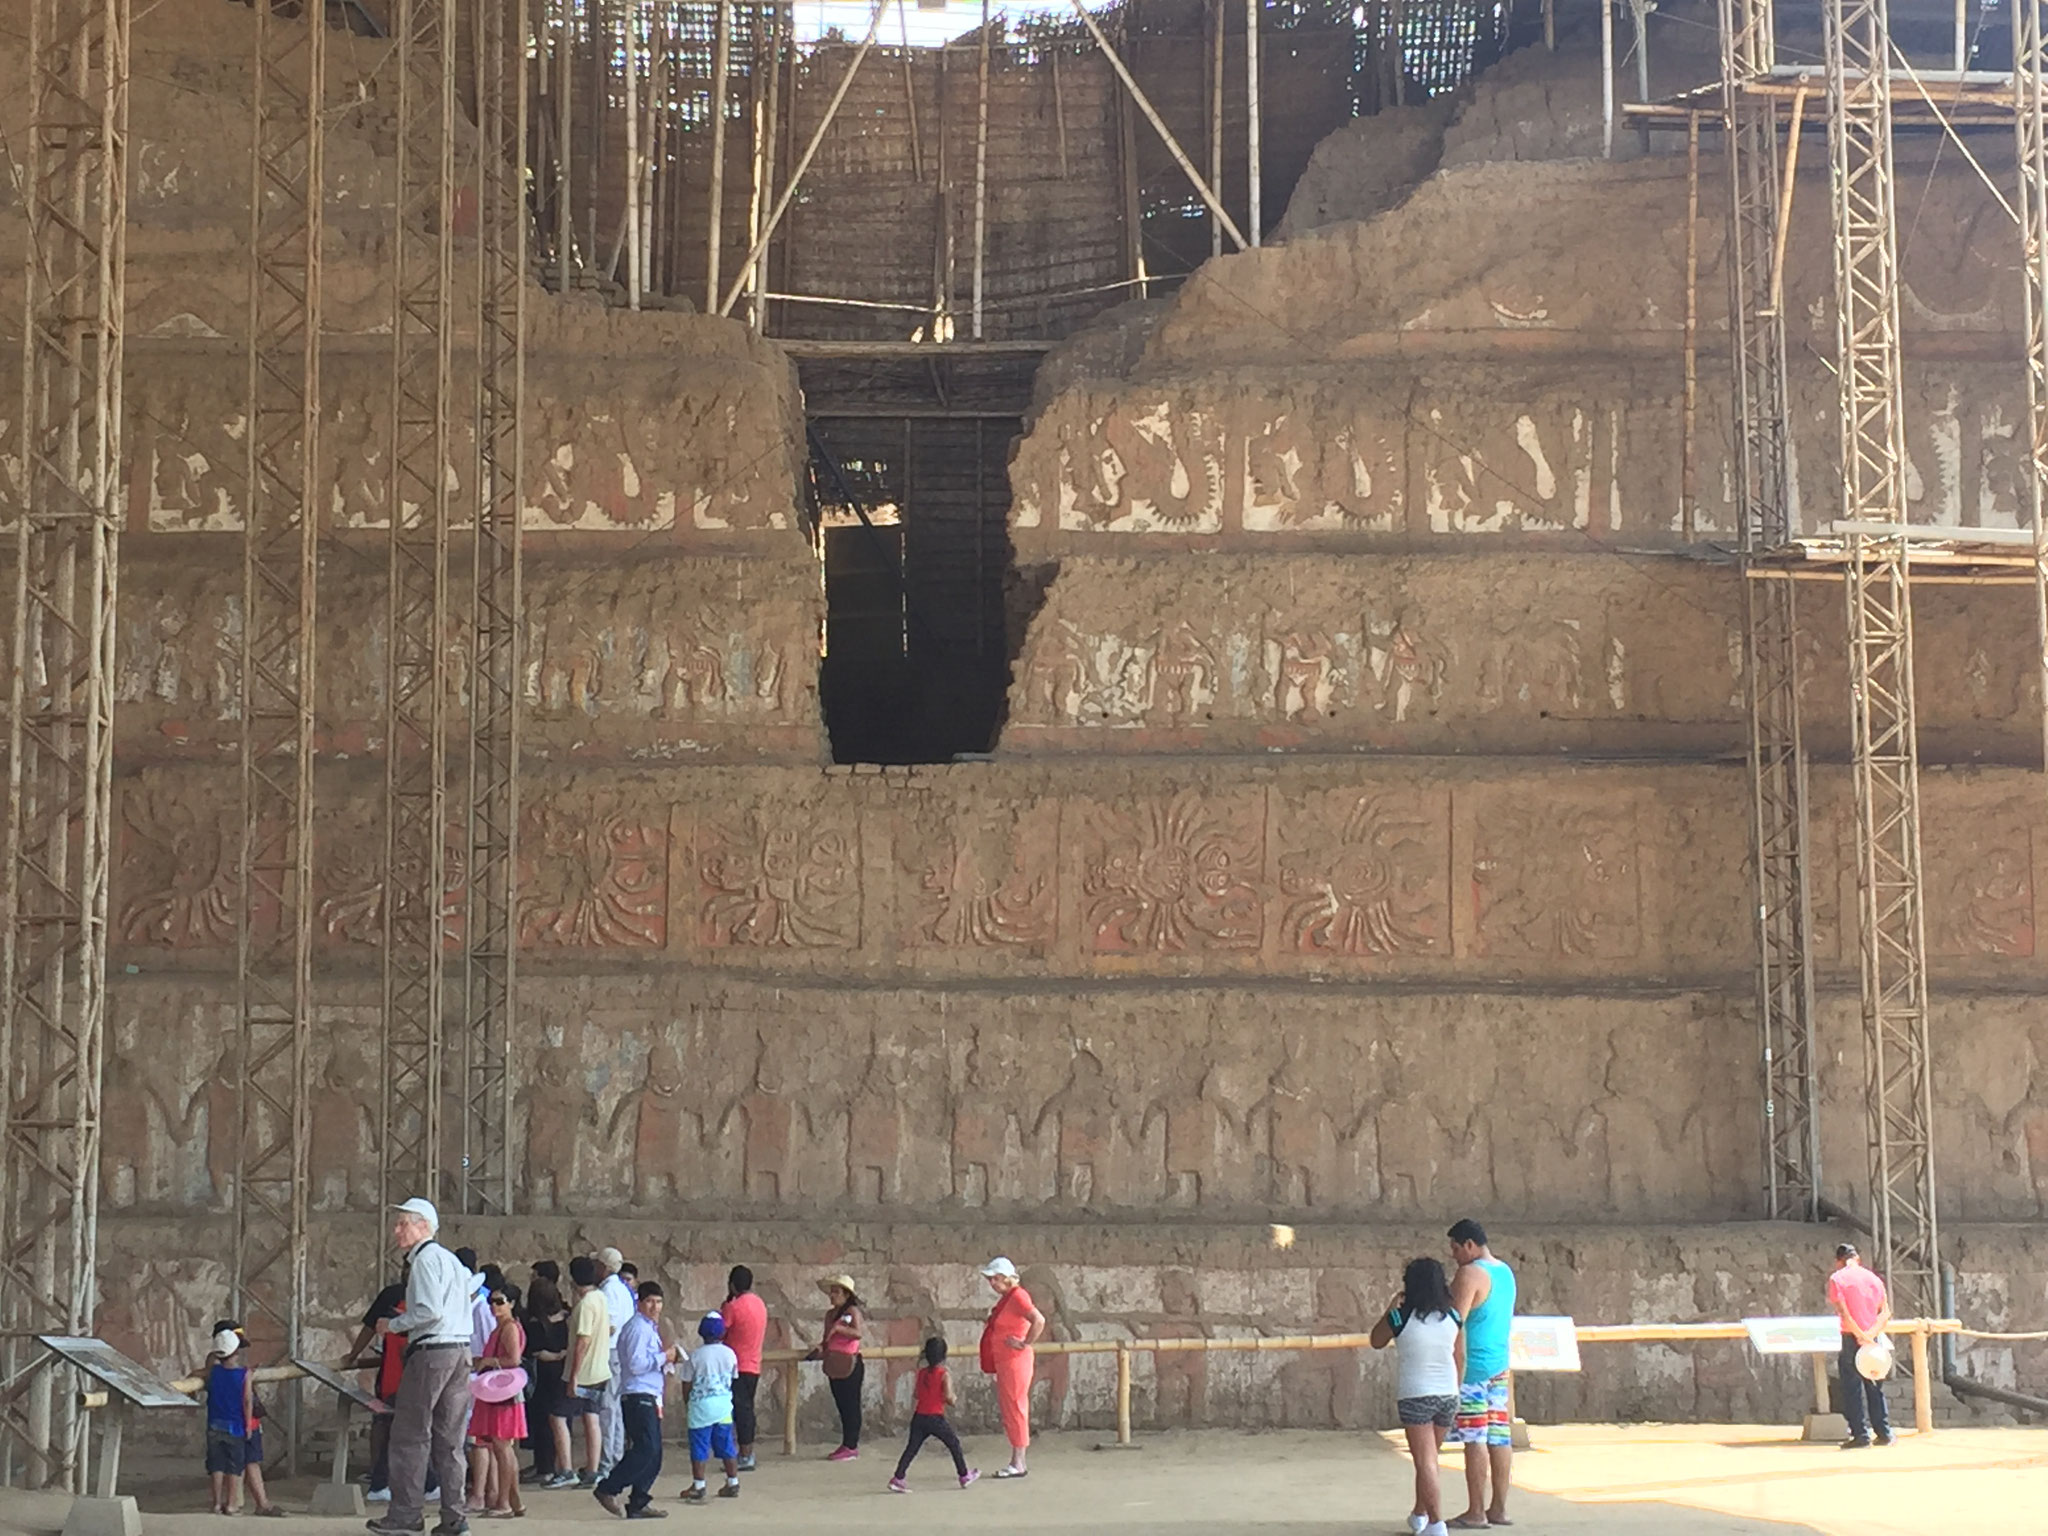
711, 1369
1432, 1355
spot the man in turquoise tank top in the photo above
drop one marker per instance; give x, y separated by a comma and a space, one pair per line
1483, 1291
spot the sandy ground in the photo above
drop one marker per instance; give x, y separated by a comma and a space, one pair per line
1713, 1480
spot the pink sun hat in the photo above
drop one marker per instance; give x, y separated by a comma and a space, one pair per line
498, 1386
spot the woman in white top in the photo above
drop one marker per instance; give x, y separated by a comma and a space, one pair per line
1432, 1340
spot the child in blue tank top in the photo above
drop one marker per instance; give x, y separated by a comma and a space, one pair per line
234, 1427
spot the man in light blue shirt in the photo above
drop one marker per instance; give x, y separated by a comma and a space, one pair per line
641, 1375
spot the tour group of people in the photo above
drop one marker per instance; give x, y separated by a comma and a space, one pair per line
580, 1372
474, 1367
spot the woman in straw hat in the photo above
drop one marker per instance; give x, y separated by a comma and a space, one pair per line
1014, 1325
840, 1352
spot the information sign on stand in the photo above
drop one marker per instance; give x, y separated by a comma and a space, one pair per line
129, 1386
1795, 1335
338, 1496
1543, 1344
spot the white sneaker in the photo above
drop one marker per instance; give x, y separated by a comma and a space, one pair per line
1416, 1523
1435, 1528
378, 1496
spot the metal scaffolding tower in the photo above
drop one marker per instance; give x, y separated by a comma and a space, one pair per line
1777, 757
415, 739
495, 608
2030, 121
1885, 748
53, 936
280, 562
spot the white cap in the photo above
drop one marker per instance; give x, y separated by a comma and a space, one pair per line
424, 1209
999, 1267
227, 1341
610, 1258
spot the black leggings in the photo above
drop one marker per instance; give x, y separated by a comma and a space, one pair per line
743, 1423
931, 1426
846, 1393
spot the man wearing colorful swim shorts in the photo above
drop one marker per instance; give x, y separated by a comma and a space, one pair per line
1483, 1292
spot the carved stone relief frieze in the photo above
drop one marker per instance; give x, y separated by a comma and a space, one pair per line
179, 850
707, 643
777, 877
1236, 651
1364, 875
1557, 880
979, 877
1174, 873
594, 873
1979, 873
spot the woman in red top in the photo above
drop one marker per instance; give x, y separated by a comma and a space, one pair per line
497, 1428
928, 1417
1013, 1326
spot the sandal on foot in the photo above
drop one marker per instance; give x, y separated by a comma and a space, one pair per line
1005, 1472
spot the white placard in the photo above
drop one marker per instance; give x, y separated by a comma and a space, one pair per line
1543, 1344
1795, 1335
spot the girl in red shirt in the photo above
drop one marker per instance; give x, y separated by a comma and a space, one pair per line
928, 1417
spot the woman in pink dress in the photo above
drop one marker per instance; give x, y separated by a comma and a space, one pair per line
497, 1428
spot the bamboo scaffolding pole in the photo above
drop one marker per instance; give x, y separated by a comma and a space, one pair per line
1785, 186
714, 223
1688, 496
631, 216
1607, 78
910, 96
764, 189
803, 164
1215, 20
942, 206
565, 148
1158, 123
981, 175
1059, 111
598, 24
1254, 178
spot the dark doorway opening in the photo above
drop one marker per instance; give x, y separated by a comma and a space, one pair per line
914, 515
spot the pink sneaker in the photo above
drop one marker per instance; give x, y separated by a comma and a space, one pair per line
897, 1485
971, 1475
844, 1453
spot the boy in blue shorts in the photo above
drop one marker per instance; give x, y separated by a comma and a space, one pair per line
234, 1424
712, 1369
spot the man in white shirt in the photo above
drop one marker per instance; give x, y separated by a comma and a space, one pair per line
432, 1411
619, 1304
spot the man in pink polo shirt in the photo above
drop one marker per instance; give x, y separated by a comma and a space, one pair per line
746, 1329
1864, 1308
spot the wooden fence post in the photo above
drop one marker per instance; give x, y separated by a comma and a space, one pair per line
789, 1386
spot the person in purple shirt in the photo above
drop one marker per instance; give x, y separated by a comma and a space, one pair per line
643, 1371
